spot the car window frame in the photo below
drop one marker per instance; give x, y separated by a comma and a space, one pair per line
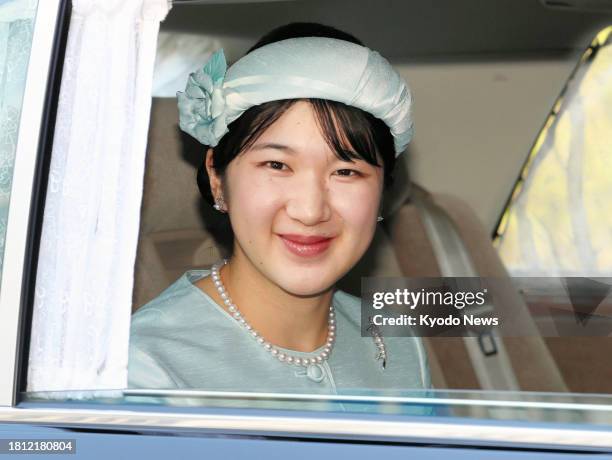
449, 431
17, 288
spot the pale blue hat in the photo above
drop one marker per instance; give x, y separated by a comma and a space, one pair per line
305, 67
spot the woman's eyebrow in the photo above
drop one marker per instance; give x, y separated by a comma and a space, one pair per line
273, 145
292, 151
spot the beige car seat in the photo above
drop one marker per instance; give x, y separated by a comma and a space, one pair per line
439, 235
425, 235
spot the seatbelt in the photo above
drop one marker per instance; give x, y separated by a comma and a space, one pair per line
487, 352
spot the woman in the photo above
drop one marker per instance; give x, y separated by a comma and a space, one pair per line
302, 136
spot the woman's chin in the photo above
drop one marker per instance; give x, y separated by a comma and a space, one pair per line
308, 279
304, 288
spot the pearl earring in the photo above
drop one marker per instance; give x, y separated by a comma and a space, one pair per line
380, 219
219, 204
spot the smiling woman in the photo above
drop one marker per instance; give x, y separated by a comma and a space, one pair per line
280, 201
298, 157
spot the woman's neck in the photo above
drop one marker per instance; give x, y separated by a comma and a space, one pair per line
295, 322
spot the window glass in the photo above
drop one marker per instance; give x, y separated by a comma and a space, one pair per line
554, 235
493, 405
188, 349
16, 27
437, 224
558, 223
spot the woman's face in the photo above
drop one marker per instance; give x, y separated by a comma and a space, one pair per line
300, 215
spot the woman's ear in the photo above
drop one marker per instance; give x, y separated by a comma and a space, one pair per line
215, 181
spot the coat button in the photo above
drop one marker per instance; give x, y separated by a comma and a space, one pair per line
315, 372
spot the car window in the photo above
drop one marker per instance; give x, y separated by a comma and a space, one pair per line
444, 199
556, 223
438, 220
16, 29
554, 235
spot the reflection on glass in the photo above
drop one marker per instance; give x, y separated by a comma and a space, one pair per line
558, 221
16, 28
534, 407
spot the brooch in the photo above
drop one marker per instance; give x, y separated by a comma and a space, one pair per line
381, 354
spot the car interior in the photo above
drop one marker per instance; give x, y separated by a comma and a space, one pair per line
485, 76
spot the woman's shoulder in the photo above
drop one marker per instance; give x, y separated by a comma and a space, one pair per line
160, 328
174, 301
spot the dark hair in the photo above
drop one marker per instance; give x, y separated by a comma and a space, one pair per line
346, 129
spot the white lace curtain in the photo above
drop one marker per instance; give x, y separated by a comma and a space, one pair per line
82, 308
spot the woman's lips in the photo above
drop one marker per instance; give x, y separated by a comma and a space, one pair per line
306, 246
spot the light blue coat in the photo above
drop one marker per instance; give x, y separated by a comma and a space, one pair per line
183, 339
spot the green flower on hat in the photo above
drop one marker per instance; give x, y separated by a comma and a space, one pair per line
201, 106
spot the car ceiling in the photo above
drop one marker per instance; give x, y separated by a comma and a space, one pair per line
408, 30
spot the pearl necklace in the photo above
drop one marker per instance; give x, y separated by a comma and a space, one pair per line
278, 354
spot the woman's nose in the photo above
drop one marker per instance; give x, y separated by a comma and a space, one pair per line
308, 202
